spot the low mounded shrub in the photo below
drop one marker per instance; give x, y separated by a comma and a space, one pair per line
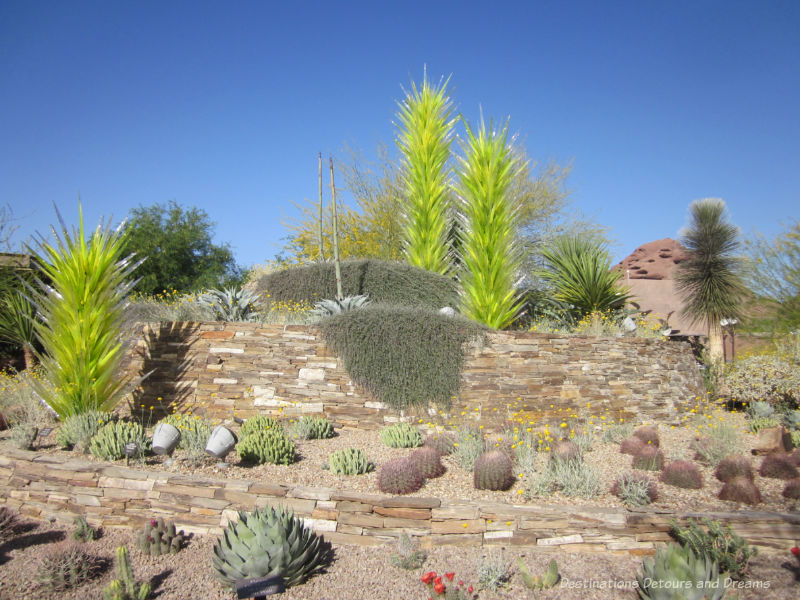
648, 434
734, 466
631, 446
401, 435
682, 474
399, 476
635, 489
428, 462
649, 458
443, 443
616, 432
573, 478
778, 466
740, 489
78, 430
721, 440
469, 445
767, 377
493, 471
8, 521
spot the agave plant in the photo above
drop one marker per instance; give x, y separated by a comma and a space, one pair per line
266, 543
329, 307
579, 271
81, 312
425, 135
231, 304
490, 255
677, 572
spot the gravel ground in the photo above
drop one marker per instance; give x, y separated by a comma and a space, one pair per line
360, 573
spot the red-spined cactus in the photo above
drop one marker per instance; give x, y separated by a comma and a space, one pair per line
428, 462
792, 489
564, 451
649, 458
683, 474
400, 476
443, 443
734, 466
648, 434
740, 489
493, 471
778, 466
631, 445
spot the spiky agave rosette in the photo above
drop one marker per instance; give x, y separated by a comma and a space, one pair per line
269, 542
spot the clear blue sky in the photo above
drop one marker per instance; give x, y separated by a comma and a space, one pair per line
224, 105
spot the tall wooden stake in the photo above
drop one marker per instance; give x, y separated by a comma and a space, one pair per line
336, 265
319, 224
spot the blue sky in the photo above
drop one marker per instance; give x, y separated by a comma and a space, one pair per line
225, 105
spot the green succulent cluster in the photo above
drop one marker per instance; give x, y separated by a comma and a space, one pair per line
677, 572
109, 441
267, 446
125, 586
401, 435
540, 582
258, 423
312, 428
77, 430
756, 424
349, 461
160, 537
269, 542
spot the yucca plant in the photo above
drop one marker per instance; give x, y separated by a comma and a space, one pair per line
491, 257
424, 138
578, 269
17, 316
81, 311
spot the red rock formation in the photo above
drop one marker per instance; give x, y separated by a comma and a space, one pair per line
654, 260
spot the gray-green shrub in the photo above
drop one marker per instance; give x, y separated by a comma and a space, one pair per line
469, 445
77, 430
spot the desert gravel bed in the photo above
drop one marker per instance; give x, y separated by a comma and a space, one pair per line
359, 573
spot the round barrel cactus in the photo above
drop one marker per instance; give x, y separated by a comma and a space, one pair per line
493, 471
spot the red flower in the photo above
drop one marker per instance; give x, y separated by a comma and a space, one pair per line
470, 589
450, 576
795, 551
437, 580
439, 588
428, 577
460, 582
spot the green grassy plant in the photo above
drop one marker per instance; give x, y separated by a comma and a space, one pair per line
82, 314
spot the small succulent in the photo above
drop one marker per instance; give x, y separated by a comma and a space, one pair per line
124, 586
83, 531
160, 537
330, 307
734, 466
756, 424
428, 462
258, 423
231, 304
267, 446
493, 471
760, 410
791, 419
269, 542
349, 461
713, 541
682, 474
312, 428
109, 442
401, 435
539, 582
399, 476
740, 489
676, 567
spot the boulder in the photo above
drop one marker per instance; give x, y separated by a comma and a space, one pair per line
771, 440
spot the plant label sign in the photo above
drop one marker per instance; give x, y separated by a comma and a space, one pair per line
44, 432
259, 587
130, 448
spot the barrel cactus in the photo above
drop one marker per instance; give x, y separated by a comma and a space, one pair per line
267, 446
399, 476
428, 461
677, 572
269, 542
493, 471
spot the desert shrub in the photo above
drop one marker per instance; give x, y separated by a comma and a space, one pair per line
683, 474
648, 434
268, 445
493, 471
109, 442
166, 306
760, 410
23, 435
8, 521
401, 355
791, 419
383, 281
312, 428
767, 377
401, 435
572, 478
399, 476
77, 430
631, 445
258, 423
349, 461
721, 440
194, 434
635, 489
583, 440
525, 452
792, 489
494, 573
649, 458
443, 443
734, 466
20, 404
469, 445
64, 566
795, 435
565, 450
428, 462
756, 424
778, 466
407, 554
740, 489
616, 432
720, 544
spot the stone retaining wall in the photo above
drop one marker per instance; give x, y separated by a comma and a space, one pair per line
221, 368
46, 486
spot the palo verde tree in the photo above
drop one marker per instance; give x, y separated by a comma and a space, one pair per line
424, 137
709, 279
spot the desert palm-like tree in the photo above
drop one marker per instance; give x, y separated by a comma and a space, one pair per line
17, 316
709, 280
425, 134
